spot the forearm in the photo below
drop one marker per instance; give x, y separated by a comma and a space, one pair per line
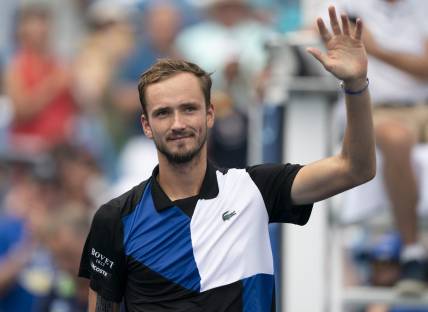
99, 304
358, 149
415, 65
28, 103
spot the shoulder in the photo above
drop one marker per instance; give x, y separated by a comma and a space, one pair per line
118, 207
262, 170
270, 169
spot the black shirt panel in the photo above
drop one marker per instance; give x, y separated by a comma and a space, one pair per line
187, 205
128, 201
274, 182
209, 190
103, 259
149, 291
146, 286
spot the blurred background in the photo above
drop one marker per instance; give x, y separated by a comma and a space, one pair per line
70, 139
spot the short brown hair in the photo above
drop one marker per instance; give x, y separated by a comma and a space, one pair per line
165, 68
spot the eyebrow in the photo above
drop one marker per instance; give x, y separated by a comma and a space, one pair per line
188, 104
166, 107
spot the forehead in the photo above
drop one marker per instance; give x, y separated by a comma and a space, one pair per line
180, 88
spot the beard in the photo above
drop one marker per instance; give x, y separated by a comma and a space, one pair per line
179, 158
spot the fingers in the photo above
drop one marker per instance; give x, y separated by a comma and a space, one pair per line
325, 34
358, 29
336, 28
334, 21
345, 24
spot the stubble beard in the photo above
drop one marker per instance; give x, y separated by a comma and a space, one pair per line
180, 158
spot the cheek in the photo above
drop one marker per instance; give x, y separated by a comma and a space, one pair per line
157, 133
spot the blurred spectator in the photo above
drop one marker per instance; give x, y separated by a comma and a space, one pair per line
231, 45
107, 43
65, 235
396, 39
38, 85
285, 15
384, 263
99, 127
227, 145
384, 259
162, 21
26, 272
80, 181
46, 207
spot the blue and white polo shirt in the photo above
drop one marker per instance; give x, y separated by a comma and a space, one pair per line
209, 252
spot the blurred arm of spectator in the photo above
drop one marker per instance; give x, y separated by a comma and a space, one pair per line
109, 41
29, 102
377, 308
12, 263
413, 64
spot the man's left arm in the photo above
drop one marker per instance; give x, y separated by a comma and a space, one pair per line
346, 59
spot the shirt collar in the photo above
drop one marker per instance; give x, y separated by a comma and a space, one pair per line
209, 188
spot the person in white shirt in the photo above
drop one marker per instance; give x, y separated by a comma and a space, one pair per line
396, 41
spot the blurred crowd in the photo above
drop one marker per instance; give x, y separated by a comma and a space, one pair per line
70, 134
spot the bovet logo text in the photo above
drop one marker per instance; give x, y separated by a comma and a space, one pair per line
97, 269
102, 260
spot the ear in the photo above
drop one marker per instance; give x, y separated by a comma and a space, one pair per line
146, 126
210, 116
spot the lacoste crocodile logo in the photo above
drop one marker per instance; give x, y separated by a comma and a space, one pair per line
227, 215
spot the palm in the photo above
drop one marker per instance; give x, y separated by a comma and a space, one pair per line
346, 57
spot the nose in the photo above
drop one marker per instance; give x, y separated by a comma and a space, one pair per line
178, 122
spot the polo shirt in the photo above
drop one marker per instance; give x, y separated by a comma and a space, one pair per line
209, 252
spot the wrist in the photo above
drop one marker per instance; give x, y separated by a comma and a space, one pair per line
355, 86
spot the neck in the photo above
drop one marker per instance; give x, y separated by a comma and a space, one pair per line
182, 180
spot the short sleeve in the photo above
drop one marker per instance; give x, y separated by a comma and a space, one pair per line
103, 259
274, 182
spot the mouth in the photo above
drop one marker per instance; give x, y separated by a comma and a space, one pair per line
179, 137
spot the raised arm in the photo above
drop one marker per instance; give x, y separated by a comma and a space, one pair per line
346, 59
99, 304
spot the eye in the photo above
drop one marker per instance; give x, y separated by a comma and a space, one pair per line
189, 109
161, 113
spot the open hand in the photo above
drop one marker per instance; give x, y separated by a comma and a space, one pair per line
346, 56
